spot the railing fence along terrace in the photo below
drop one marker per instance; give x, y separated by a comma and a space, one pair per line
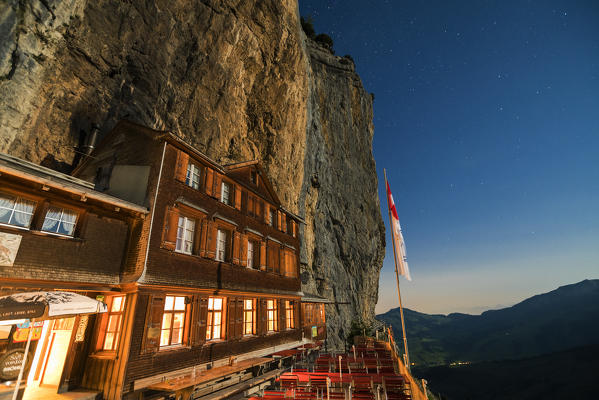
371, 371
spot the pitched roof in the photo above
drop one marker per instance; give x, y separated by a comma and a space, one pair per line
23, 169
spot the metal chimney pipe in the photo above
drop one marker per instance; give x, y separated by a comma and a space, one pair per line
91, 140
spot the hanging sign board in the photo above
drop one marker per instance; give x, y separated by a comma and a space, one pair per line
10, 364
21, 334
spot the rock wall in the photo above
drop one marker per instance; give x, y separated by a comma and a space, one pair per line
237, 79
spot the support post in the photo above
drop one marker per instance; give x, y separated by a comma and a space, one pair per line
403, 326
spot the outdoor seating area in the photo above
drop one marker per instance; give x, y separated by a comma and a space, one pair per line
367, 372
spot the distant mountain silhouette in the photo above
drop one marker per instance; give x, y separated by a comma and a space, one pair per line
564, 318
569, 374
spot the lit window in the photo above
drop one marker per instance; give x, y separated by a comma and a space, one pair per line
113, 326
214, 322
193, 176
60, 220
15, 210
221, 245
173, 321
185, 232
225, 193
248, 317
271, 312
290, 314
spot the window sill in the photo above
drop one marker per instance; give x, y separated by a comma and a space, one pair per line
214, 341
104, 355
56, 235
172, 349
182, 252
15, 227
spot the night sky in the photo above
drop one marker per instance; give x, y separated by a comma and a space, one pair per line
486, 118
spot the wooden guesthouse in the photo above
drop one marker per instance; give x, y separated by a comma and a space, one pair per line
194, 267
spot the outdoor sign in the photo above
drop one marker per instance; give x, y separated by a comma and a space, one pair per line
10, 364
12, 309
21, 334
314, 331
9, 247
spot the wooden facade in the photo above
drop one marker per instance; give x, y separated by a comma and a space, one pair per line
198, 263
61, 235
217, 246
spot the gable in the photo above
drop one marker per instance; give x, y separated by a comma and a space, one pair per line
252, 176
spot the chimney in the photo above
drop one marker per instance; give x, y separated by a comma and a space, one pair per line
91, 140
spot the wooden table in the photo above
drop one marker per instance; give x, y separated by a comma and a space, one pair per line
185, 381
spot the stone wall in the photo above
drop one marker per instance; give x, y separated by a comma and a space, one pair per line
238, 80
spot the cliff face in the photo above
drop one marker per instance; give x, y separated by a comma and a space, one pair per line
238, 80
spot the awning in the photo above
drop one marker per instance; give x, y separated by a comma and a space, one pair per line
45, 305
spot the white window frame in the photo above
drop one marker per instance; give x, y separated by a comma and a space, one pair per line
185, 234
249, 317
60, 221
272, 316
193, 176
250, 262
16, 200
174, 307
221, 245
225, 193
215, 313
290, 314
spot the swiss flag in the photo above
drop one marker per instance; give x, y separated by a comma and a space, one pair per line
400, 247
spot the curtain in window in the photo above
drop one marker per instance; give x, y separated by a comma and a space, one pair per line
6, 205
51, 220
68, 222
23, 212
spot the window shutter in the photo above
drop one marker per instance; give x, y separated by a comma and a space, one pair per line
243, 259
216, 190
170, 229
197, 237
154, 322
236, 248
211, 240
209, 181
279, 219
283, 226
282, 267
262, 317
266, 212
262, 255
202, 317
294, 228
240, 318
282, 316
231, 308
296, 314
198, 324
269, 258
238, 197
293, 267
181, 167
203, 235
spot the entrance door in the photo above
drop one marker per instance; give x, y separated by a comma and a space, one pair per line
59, 339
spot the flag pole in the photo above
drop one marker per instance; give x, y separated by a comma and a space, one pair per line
403, 326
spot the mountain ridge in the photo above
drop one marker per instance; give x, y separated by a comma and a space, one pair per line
549, 322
